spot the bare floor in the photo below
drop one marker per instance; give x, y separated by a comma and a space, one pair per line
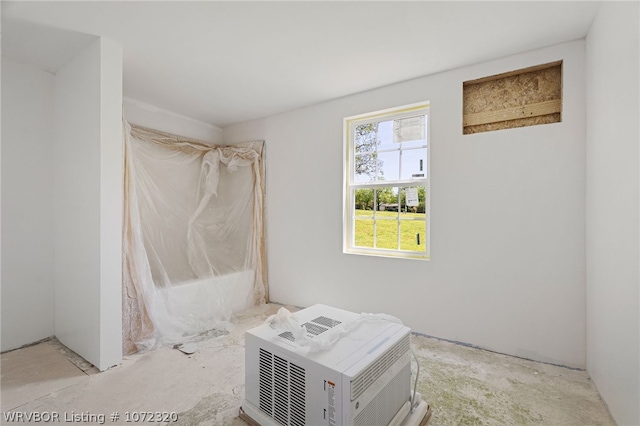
464, 386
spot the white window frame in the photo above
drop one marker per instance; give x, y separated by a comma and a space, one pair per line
350, 185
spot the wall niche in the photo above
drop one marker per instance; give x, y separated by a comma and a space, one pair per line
520, 98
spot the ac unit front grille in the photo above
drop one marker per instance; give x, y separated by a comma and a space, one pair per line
361, 382
298, 394
387, 402
265, 381
281, 389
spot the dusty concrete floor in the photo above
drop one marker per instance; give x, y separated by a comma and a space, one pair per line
467, 386
464, 386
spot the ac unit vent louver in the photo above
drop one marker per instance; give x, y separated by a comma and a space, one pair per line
327, 322
314, 328
287, 335
282, 389
375, 370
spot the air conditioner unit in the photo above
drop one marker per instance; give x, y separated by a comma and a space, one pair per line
363, 379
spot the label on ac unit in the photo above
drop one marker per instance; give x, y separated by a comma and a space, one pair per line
331, 393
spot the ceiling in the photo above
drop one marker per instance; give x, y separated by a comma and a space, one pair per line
228, 62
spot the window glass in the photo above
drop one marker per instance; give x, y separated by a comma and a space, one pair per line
413, 225
363, 231
414, 163
389, 163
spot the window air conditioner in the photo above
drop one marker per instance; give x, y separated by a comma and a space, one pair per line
363, 379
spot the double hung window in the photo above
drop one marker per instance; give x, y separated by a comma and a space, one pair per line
386, 175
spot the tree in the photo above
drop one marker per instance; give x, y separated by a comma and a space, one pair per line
422, 199
364, 199
366, 159
386, 196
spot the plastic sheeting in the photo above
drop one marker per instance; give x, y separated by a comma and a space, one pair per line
194, 239
284, 320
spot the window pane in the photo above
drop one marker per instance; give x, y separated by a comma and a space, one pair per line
413, 232
412, 200
364, 201
414, 164
367, 167
366, 137
413, 225
363, 232
385, 136
387, 230
387, 199
390, 164
387, 218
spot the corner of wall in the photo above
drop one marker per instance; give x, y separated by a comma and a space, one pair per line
613, 208
146, 115
88, 169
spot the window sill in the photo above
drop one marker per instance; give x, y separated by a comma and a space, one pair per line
388, 254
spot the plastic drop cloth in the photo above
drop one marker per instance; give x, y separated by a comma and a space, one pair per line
194, 236
284, 320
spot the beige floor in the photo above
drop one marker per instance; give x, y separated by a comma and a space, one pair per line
464, 386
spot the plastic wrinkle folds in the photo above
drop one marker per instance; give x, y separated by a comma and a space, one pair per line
284, 321
193, 235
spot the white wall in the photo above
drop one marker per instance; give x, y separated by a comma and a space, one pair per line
143, 114
27, 198
111, 203
613, 208
88, 202
88, 195
508, 247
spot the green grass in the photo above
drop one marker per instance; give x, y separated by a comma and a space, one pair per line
387, 230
